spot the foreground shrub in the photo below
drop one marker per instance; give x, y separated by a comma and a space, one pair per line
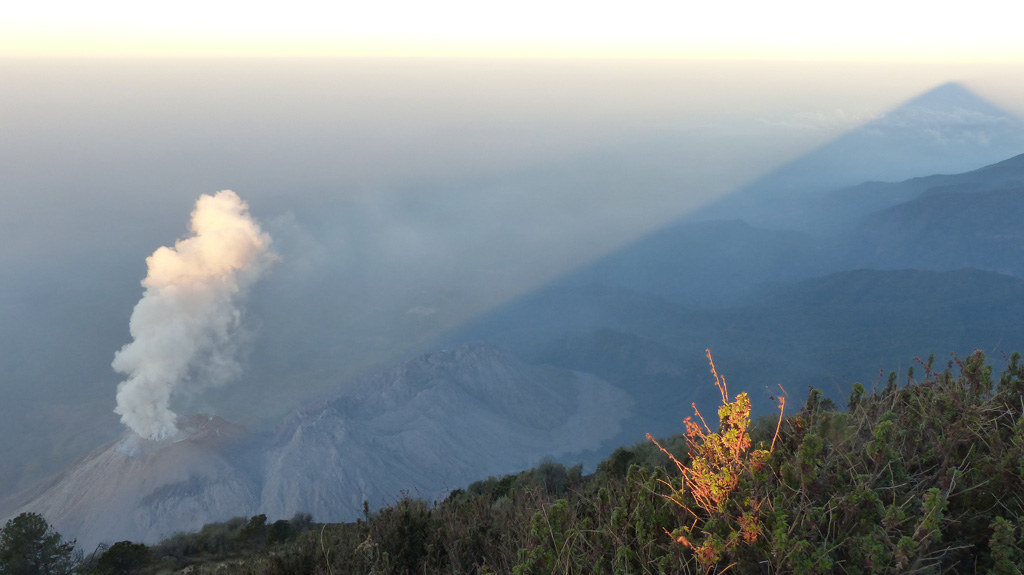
723, 484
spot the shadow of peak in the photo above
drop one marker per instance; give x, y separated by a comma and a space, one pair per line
950, 106
946, 130
952, 94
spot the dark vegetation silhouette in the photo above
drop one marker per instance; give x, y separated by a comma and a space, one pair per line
30, 546
921, 476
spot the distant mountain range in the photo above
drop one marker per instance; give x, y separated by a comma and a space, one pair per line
938, 222
805, 283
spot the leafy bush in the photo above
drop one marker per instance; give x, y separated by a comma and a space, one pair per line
123, 558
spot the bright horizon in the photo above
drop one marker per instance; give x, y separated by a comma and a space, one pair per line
871, 31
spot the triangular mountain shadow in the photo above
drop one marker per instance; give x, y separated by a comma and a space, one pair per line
700, 262
764, 235
946, 130
783, 306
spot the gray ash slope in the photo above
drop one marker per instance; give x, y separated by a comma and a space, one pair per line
145, 490
433, 424
429, 425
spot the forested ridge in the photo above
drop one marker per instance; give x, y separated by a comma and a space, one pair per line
922, 473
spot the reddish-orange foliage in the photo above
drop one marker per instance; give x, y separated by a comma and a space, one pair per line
716, 458
717, 461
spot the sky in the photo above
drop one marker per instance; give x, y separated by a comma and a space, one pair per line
869, 30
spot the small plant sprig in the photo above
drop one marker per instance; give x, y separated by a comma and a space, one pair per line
718, 461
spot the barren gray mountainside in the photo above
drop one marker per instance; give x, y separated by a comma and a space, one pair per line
433, 424
145, 490
424, 427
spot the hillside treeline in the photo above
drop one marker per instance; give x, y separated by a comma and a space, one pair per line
922, 475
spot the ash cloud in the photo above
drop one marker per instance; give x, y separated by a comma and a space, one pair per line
185, 328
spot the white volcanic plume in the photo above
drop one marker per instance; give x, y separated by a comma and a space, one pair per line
184, 326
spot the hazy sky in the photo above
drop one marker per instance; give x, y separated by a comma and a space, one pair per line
868, 30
